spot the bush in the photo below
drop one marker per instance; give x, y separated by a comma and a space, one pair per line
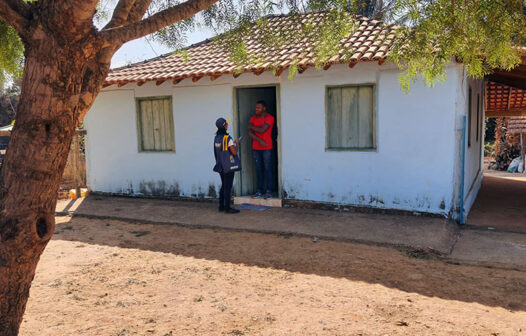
489, 149
507, 152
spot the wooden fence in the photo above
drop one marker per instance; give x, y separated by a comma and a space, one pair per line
75, 171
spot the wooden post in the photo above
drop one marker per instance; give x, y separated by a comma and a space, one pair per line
522, 153
76, 172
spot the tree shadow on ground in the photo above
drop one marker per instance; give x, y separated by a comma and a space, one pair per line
412, 273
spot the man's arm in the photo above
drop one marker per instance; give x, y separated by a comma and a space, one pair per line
261, 129
255, 137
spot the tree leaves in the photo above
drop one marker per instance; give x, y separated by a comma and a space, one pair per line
483, 34
11, 55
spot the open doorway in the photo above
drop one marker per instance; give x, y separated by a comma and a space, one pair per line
246, 98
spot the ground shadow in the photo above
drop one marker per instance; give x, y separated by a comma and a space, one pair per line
357, 262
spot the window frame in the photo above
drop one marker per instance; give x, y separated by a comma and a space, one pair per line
478, 118
138, 101
374, 148
470, 114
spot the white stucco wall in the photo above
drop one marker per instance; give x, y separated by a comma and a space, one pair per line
412, 169
474, 153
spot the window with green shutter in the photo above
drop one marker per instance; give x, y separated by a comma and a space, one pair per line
155, 124
350, 117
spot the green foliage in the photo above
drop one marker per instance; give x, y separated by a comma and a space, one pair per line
483, 34
11, 55
489, 129
489, 149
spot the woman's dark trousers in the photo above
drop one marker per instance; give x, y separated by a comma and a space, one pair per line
227, 179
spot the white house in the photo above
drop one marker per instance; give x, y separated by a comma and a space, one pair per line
345, 135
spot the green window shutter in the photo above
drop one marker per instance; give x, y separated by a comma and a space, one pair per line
350, 117
155, 124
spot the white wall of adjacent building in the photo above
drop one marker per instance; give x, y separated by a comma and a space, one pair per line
415, 166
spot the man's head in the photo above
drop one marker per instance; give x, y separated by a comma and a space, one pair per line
261, 107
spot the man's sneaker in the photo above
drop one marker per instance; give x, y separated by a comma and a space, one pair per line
231, 211
258, 195
268, 194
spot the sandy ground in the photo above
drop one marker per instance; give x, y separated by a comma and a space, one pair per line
100, 277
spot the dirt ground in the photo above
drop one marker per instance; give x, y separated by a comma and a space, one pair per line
100, 277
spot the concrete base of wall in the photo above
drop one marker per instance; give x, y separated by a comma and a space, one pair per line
288, 203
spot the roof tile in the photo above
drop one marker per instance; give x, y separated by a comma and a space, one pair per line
370, 41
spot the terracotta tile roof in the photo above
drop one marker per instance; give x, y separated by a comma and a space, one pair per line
370, 42
504, 98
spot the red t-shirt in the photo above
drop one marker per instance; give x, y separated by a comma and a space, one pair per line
265, 136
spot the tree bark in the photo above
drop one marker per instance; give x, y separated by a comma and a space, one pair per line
66, 63
59, 85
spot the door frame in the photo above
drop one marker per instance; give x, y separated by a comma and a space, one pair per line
235, 123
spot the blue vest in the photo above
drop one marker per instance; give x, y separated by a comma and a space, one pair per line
225, 161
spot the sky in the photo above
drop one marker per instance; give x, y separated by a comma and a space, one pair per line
146, 48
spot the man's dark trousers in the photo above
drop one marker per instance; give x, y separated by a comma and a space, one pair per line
263, 162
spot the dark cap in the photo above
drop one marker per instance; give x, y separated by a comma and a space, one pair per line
220, 123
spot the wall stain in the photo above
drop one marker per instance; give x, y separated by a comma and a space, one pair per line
200, 192
159, 188
174, 190
130, 189
289, 193
212, 191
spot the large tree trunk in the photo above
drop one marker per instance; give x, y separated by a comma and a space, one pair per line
50, 107
67, 60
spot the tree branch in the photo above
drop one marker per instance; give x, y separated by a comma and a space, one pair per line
155, 22
120, 14
13, 16
138, 10
81, 12
20, 7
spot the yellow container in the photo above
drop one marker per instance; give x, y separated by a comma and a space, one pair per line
73, 194
83, 193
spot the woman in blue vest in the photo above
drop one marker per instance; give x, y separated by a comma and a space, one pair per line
227, 163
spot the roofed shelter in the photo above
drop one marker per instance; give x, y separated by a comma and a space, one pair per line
500, 204
506, 92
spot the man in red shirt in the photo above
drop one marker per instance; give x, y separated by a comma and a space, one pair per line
260, 130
